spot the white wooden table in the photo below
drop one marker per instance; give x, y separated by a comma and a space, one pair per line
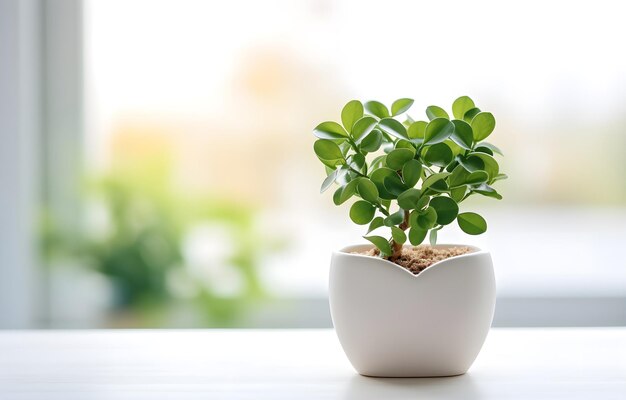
586, 363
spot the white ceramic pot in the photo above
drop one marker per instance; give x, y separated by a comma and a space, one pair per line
392, 323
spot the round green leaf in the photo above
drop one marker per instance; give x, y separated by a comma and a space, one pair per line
436, 182
427, 218
381, 243
483, 124
436, 112
489, 164
472, 223
398, 235
362, 127
421, 203
394, 185
328, 152
372, 141
438, 130
461, 106
362, 212
405, 144
392, 127
395, 218
342, 194
330, 130
401, 105
446, 208
417, 236
477, 177
377, 109
417, 129
367, 190
457, 194
462, 135
411, 172
492, 147
378, 177
375, 224
407, 200
352, 112
439, 154
470, 114
398, 157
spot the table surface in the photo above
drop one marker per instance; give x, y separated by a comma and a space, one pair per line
580, 363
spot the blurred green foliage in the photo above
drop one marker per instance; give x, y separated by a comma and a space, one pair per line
140, 248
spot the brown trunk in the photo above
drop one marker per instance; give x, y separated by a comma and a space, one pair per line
397, 247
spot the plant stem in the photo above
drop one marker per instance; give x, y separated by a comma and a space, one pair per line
395, 246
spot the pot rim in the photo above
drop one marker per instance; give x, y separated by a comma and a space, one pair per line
345, 252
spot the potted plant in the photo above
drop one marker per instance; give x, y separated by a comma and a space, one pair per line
400, 310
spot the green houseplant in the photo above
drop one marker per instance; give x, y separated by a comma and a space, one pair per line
410, 177
449, 157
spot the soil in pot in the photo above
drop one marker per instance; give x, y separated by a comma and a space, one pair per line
418, 258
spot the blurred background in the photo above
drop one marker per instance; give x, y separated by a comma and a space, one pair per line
156, 165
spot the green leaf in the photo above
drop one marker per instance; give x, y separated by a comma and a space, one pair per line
483, 124
362, 212
330, 179
438, 130
471, 163
377, 109
417, 236
381, 243
352, 112
411, 172
488, 191
489, 164
462, 135
394, 185
472, 223
499, 177
375, 224
328, 152
462, 105
342, 194
436, 182
392, 127
408, 199
433, 237
427, 218
395, 218
378, 177
401, 105
372, 141
492, 147
457, 194
470, 114
362, 127
398, 235
367, 190
398, 157
330, 130
483, 149
458, 176
417, 129
439, 154
404, 144
421, 203
477, 177
436, 112
446, 208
